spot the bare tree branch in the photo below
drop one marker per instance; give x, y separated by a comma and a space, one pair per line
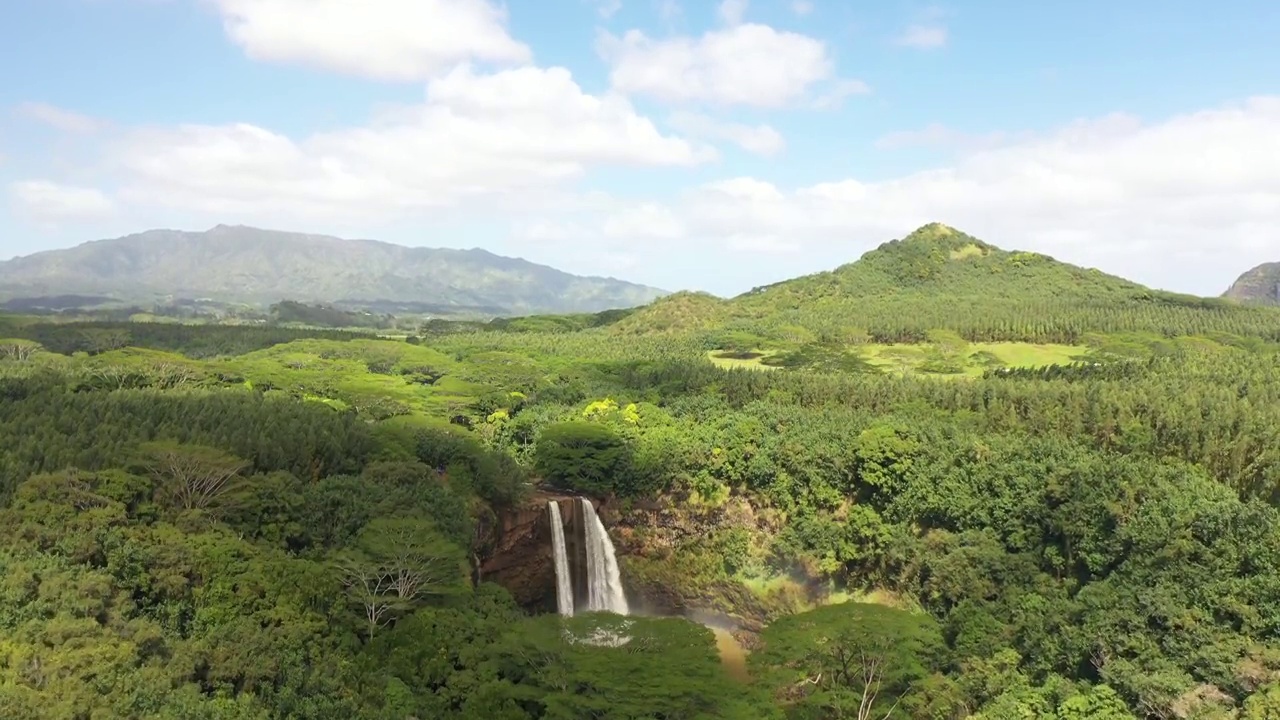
18, 350
399, 561
194, 476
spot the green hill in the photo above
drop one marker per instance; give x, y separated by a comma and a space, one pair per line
939, 278
680, 312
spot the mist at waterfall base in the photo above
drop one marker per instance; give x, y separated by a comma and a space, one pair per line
604, 580
605, 592
732, 654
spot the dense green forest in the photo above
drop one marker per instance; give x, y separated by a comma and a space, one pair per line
944, 482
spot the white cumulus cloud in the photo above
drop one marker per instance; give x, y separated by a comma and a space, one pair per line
57, 118
1187, 202
646, 220
923, 37
391, 40
476, 135
744, 64
48, 201
757, 139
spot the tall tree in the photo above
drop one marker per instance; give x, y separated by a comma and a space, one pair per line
850, 660
192, 476
396, 565
584, 456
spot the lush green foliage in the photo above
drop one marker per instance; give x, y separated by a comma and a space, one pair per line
191, 340
582, 456
210, 522
940, 278
853, 660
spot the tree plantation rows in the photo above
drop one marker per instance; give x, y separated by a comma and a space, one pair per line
907, 320
205, 522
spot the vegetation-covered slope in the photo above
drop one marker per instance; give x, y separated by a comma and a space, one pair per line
235, 523
1076, 542
1261, 285
244, 264
938, 278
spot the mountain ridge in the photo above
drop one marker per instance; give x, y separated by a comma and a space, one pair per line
240, 263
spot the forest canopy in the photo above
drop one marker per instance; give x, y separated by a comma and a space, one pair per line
920, 486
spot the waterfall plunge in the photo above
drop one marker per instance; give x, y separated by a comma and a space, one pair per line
564, 588
603, 580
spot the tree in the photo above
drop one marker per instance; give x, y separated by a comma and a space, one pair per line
848, 660
1101, 703
396, 564
99, 340
193, 476
884, 456
18, 350
584, 456
370, 588
1263, 705
621, 668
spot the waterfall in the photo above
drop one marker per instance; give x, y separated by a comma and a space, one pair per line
604, 582
564, 586
593, 569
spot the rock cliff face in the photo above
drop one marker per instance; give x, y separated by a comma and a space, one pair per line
515, 551
1261, 285
649, 536
652, 538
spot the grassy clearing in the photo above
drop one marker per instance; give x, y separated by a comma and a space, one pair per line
770, 584
935, 360
1031, 354
875, 596
749, 360
970, 360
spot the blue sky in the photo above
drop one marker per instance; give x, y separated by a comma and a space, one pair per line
709, 145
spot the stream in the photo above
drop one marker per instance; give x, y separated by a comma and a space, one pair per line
732, 655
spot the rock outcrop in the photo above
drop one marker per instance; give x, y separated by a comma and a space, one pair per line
515, 551
1260, 285
653, 538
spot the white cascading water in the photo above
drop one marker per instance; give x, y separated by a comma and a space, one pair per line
564, 587
604, 581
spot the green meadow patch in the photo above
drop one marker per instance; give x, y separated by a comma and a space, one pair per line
969, 359
752, 359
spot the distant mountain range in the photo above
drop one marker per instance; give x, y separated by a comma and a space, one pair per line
251, 265
1260, 285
